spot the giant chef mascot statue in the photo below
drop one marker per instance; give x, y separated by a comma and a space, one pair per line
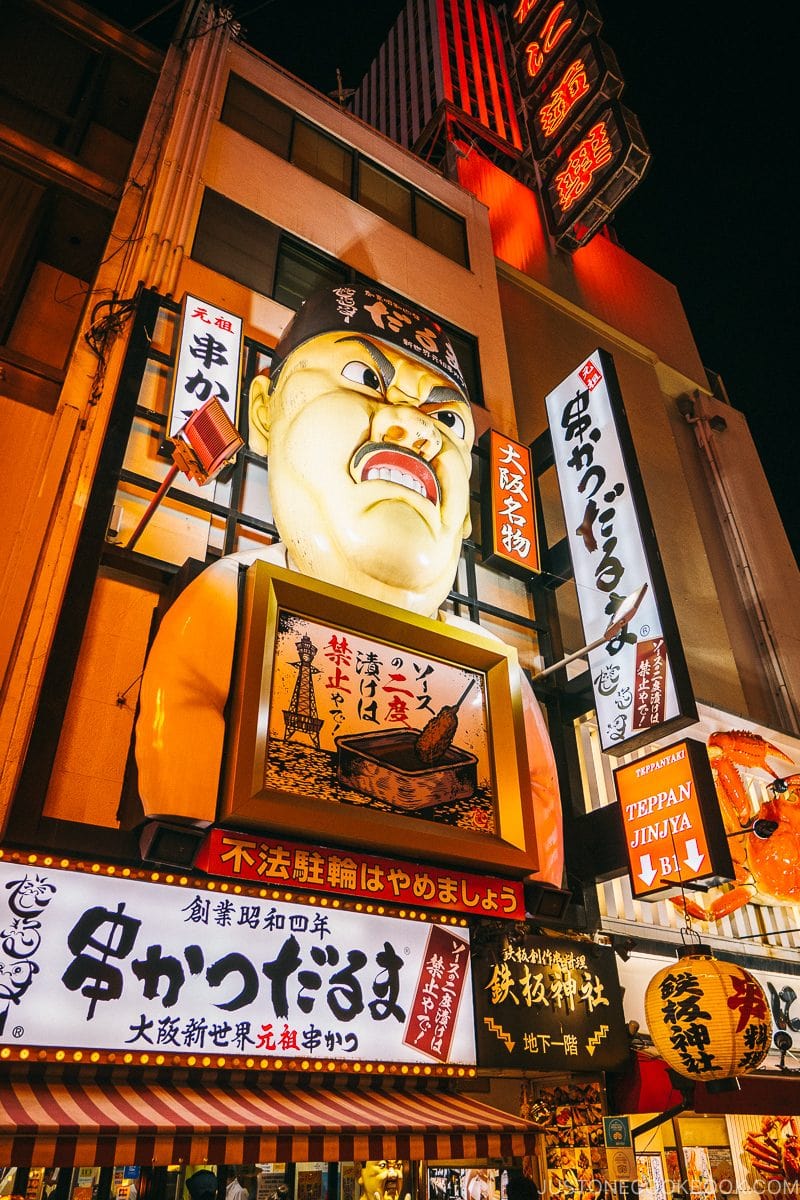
367, 424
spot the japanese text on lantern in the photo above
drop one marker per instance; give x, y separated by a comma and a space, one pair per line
687, 1020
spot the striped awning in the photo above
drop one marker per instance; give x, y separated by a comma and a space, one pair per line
100, 1124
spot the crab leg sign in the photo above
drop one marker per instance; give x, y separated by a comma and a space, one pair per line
767, 869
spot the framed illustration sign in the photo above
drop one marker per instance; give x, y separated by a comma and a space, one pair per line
381, 726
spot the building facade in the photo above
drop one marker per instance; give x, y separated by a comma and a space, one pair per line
248, 192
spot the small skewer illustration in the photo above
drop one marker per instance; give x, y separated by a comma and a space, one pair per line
435, 739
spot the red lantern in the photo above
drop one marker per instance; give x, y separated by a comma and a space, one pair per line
708, 1019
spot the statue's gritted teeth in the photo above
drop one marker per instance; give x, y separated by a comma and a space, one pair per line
394, 464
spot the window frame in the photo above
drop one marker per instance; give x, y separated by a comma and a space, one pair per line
356, 158
289, 241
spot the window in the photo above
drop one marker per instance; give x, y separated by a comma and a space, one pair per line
466, 349
270, 124
384, 195
52, 242
322, 157
88, 103
240, 244
257, 116
236, 242
302, 270
441, 230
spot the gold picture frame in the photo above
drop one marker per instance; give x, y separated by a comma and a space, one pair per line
260, 790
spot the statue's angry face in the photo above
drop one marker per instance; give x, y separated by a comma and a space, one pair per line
370, 459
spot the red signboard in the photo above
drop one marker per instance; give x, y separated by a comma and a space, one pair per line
590, 150
433, 1014
277, 862
509, 514
674, 832
542, 33
586, 75
592, 172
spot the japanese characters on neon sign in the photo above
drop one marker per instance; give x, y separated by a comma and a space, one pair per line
115, 964
508, 520
569, 91
208, 362
268, 860
572, 87
591, 150
543, 31
546, 1004
574, 178
639, 678
592, 173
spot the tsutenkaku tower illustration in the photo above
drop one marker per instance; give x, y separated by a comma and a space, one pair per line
302, 711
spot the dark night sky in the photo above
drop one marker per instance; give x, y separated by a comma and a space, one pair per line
710, 83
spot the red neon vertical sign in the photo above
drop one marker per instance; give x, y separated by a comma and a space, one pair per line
592, 153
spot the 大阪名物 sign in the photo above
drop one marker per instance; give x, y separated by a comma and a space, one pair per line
508, 518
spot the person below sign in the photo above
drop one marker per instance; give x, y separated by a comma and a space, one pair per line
366, 420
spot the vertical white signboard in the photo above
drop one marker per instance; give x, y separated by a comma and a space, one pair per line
639, 677
208, 362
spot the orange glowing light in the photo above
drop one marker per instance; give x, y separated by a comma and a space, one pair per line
549, 37
582, 165
668, 808
573, 86
525, 7
511, 500
515, 218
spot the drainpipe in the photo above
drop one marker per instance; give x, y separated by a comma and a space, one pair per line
201, 104
187, 141
704, 428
